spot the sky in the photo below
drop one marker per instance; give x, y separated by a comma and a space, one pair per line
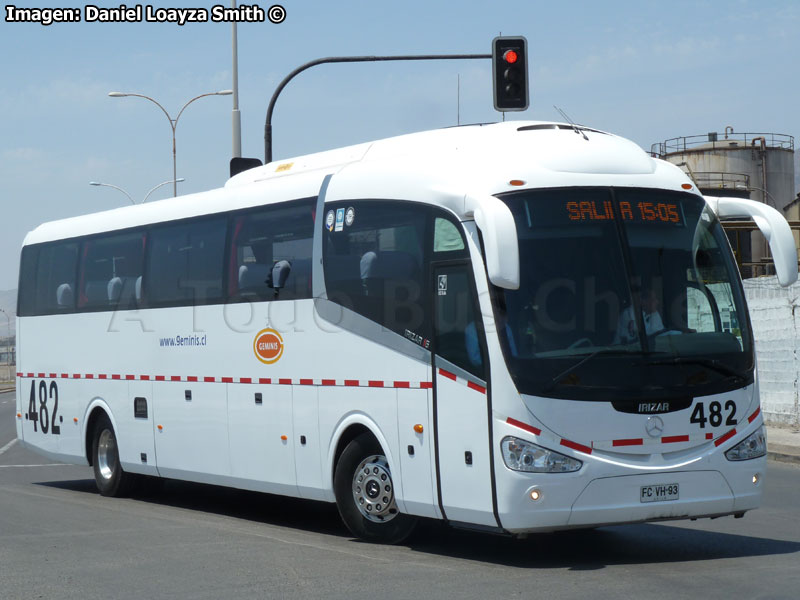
646, 70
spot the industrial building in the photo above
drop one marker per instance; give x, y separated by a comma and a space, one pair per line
758, 166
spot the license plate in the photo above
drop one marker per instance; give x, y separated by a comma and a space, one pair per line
659, 493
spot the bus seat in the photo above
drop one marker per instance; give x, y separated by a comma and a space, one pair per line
114, 289
64, 297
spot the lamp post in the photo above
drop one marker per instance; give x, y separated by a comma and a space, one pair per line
173, 123
750, 188
147, 195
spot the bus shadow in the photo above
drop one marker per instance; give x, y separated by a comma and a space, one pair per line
586, 550
577, 550
257, 507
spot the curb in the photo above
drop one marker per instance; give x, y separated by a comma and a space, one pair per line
784, 454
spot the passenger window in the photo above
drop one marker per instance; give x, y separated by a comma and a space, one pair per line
185, 263
55, 278
26, 299
111, 270
264, 237
374, 263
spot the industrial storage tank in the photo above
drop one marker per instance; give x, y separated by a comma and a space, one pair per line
758, 166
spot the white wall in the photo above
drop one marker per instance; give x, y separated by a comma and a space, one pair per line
776, 328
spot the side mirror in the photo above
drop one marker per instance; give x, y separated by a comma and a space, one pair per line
774, 227
496, 223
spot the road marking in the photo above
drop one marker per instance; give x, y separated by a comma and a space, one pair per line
26, 466
8, 446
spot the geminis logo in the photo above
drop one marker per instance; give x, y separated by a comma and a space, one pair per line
268, 346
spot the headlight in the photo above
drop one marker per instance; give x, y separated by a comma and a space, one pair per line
520, 455
754, 446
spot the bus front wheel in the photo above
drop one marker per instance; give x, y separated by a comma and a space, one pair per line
364, 491
111, 480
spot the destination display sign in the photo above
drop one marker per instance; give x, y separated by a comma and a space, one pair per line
637, 212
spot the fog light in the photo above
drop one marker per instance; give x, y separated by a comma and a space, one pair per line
535, 494
756, 479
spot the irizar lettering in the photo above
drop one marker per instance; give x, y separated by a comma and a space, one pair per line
653, 407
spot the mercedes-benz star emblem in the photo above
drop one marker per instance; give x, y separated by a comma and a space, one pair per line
654, 426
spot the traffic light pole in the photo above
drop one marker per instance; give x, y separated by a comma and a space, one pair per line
345, 59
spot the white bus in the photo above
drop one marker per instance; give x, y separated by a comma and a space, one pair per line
515, 327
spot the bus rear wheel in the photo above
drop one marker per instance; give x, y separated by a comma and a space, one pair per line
364, 491
111, 480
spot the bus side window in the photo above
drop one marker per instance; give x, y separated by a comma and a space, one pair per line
261, 238
110, 266
185, 263
55, 278
374, 263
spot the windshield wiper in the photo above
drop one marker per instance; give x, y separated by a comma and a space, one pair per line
602, 352
710, 363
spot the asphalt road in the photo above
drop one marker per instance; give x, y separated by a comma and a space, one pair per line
60, 539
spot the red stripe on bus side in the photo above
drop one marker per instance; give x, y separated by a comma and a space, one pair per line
89, 376
426, 385
191, 378
41, 375
351, 382
102, 376
328, 382
30, 374
524, 426
576, 446
402, 384
628, 442
130, 377
245, 380
448, 374
375, 384
227, 380
709, 436
21, 375
752, 417
264, 380
674, 439
209, 379
76, 375
476, 387
160, 378
144, 377
721, 440
174, 377
52, 375
306, 382
285, 381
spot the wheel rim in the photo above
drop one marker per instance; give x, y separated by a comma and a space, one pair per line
106, 454
373, 490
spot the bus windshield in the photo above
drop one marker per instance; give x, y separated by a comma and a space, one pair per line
624, 294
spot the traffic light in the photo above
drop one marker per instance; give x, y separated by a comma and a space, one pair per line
510, 73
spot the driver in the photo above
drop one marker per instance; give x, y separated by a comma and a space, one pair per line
626, 325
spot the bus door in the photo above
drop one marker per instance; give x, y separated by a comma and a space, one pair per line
461, 400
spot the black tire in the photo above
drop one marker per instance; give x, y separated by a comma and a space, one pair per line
111, 480
385, 524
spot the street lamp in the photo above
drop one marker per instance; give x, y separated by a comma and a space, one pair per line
173, 123
750, 188
147, 195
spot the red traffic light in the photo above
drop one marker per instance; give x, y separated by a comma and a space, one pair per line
510, 57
